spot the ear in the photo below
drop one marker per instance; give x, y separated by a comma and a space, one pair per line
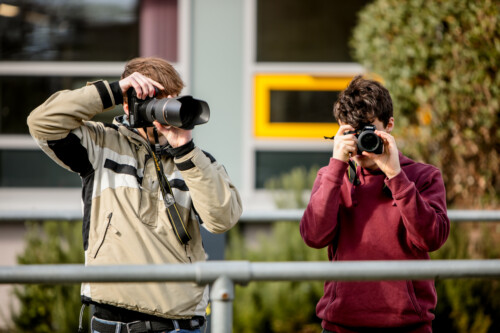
125, 107
390, 125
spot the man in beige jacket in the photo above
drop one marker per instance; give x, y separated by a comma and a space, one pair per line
125, 220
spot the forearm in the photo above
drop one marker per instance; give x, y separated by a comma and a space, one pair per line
214, 196
318, 225
423, 211
66, 110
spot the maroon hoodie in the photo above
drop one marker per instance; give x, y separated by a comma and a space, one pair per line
367, 222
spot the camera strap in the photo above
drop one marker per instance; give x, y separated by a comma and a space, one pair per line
168, 197
354, 179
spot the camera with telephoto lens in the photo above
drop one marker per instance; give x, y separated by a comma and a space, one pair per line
367, 140
183, 112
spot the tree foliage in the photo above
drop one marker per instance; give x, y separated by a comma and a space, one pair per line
50, 308
440, 59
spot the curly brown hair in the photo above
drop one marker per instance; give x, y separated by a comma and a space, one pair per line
362, 102
159, 70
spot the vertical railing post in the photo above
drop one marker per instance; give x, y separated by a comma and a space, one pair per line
222, 296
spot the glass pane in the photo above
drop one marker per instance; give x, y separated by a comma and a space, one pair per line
70, 30
271, 164
305, 31
302, 106
20, 95
32, 168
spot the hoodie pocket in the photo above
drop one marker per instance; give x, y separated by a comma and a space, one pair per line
413, 298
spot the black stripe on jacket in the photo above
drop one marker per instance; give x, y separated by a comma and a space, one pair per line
72, 153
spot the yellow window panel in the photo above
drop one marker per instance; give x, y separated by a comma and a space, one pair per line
265, 83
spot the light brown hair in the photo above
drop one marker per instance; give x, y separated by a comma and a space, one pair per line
159, 70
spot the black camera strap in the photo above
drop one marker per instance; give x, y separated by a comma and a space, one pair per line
168, 197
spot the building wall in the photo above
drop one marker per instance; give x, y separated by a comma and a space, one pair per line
217, 75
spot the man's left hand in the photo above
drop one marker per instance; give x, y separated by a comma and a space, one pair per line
175, 136
388, 161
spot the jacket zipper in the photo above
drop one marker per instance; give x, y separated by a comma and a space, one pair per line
104, 236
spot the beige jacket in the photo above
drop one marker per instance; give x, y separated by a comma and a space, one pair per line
125, 220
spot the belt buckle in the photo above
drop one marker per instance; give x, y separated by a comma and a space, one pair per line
127, 325
194, 323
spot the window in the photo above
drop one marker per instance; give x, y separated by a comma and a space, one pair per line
305, 31
32, 168
270, 164
296, 105
53, 30
20, 95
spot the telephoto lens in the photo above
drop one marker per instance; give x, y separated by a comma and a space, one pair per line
183, 112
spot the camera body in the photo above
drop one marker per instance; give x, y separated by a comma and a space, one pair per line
367, 140
183, 112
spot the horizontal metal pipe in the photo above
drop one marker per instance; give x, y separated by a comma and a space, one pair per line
245, 271
253, 216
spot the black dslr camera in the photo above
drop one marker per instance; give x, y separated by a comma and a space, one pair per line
367, 140
183, 112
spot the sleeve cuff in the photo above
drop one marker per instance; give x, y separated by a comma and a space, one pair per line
182, 150
398, 184
117, 92
195, 158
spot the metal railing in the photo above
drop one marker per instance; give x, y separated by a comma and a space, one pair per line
250, 216
222, 275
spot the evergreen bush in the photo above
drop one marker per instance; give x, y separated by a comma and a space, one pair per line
441, 62
469, 305
50, 308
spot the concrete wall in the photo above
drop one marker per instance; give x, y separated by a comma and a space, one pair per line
217, 77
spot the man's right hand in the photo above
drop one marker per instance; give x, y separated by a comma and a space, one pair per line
143, 85
344, 144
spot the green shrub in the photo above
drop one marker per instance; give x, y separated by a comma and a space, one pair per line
278, 306
50, 308
441, 62
469, 305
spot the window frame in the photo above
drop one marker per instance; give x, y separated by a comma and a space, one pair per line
265, 83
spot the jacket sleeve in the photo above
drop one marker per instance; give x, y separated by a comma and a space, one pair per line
423, 208
66, 110
318, 225
58, 125
214, 196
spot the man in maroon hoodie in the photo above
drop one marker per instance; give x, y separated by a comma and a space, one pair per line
374, 206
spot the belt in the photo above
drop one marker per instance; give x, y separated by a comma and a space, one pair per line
140, 326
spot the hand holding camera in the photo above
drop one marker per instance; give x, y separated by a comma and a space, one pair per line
355, 142
144, 109
372, 144
344, 145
